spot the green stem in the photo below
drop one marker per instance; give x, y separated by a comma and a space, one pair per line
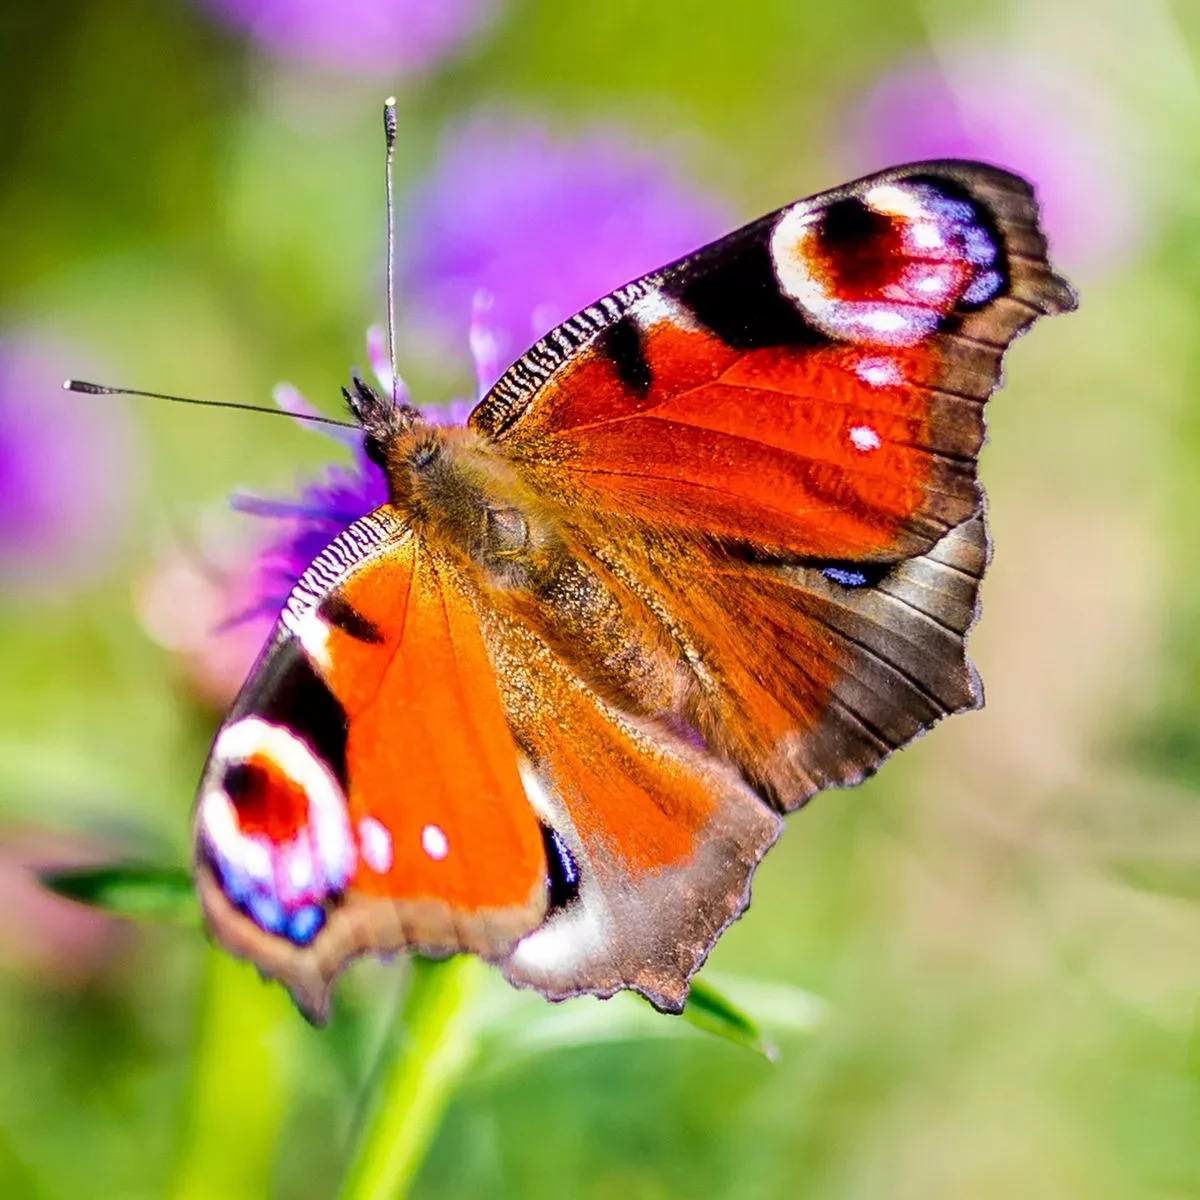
436, 1045
240, 1086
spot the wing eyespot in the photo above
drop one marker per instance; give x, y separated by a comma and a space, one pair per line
273, 830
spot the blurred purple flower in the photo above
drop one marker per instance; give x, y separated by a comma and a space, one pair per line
545, 224
68, 468
309, 522
214, 606
1017, 112
385, 37
186, 599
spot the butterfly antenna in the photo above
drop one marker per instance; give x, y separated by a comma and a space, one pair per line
97, 389
389, 133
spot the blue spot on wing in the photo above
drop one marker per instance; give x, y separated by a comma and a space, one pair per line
562, 868
981, 250
845, 577
305, 924
267, 912
983, 287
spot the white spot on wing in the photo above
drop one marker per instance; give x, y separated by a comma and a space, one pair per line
883, 320
376, 845
655, 308
789, 255
312, 632
434, 842
893, 200
878, 372
571, 936
931, 284
536, 793
926, 236
864, 438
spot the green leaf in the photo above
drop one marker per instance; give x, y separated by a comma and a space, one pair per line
135, 890
1168, 876
518, 1025
710, 1010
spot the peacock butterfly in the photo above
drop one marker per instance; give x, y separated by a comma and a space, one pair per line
708, 547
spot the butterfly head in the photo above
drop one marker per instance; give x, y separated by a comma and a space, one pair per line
383, 419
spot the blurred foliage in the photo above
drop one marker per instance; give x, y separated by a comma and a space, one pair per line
129, 890
1003, 925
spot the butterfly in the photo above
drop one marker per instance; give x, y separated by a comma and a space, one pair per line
708, 547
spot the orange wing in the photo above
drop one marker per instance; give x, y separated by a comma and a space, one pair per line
812, 384
364, 792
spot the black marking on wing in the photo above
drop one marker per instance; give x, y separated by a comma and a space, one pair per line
621, 344
341, 614
244, 780
732, 290
846, 225
286, 690
847, 572
563, 871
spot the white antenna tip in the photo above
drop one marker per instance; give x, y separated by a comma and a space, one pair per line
67, 384
390, 102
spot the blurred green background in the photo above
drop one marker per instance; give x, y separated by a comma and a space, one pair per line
1003, 927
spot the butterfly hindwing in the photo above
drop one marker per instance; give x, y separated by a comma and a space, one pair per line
663, 838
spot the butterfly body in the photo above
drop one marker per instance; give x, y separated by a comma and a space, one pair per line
710, 546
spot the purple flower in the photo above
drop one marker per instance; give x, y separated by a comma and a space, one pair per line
385, 37
68, 470
545, 224
515, 231
1033, 117
309, 522
188, 601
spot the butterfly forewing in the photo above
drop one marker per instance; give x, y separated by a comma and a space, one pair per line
812, 384
365, 791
